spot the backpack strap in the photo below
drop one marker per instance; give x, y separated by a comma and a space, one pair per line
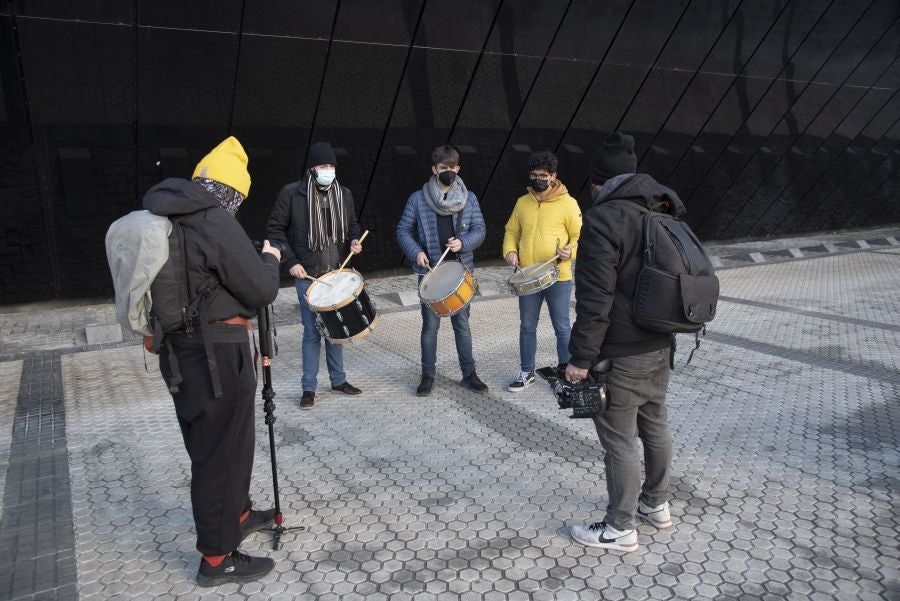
198, 308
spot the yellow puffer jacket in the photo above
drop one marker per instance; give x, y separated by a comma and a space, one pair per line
535, 226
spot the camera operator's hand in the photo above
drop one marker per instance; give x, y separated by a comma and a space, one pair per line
297, 271
575, 374
268, 248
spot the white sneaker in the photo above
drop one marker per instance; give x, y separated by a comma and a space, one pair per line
604, 536
658, 516
522, 381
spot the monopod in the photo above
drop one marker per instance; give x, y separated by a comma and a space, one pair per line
268, 349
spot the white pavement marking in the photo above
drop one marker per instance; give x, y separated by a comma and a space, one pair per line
796, 252
831, 247
863, 244
892, 241
715, 260
757, 257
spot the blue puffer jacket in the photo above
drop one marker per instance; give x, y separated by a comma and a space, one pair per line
417, 230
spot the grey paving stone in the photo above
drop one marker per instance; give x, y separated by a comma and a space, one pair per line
784, 432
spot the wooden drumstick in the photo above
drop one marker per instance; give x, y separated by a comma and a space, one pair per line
442, 257
309, 277
347, 260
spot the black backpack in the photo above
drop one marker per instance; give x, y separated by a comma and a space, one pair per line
677, 289
175, 309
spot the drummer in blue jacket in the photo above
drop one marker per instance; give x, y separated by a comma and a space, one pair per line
443, 214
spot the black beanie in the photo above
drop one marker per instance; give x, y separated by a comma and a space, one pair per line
320, 153
615, 157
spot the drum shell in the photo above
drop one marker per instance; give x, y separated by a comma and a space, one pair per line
350, 322
523, 283
456, 299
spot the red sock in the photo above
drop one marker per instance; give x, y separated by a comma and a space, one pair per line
214, 560
244, 516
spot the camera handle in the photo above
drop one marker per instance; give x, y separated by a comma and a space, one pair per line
268, 349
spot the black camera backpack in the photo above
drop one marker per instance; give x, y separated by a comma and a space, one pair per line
677, 289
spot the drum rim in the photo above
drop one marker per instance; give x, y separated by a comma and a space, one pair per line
346, 301
455, 288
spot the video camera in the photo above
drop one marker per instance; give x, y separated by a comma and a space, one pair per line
587, 398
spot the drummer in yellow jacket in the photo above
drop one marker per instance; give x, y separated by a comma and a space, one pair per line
545, 223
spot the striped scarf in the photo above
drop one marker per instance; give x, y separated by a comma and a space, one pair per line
327, 223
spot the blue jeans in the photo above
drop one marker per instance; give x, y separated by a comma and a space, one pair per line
431, 323
637, 392
312, 344
557, 296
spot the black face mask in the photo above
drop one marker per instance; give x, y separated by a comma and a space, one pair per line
446, 177
539, 185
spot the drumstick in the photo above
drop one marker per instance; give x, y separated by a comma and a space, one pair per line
442, 257
347, 260
309, 277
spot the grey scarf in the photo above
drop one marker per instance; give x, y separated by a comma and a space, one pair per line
452, 203
229, 198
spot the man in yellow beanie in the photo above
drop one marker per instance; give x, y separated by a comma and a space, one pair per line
205, 360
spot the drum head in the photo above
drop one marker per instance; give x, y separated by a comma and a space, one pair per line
335, 287
443, 280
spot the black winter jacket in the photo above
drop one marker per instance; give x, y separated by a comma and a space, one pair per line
289, 222
215, 243
609, 259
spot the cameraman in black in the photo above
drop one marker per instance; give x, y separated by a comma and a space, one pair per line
610, 257
209, 366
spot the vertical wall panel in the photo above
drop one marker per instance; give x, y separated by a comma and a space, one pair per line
768, 118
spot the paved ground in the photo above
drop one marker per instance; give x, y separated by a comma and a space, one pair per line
785, 471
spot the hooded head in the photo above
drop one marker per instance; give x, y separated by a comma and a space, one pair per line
614, 157
226, 164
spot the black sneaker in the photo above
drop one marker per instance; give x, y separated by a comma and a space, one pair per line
308, 400
256, 521
237, 567
473, 382
425, 385
347, 388
522, 381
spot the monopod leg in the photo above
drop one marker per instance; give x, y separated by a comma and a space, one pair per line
267, 350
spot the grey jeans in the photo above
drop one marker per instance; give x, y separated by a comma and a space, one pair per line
637, 388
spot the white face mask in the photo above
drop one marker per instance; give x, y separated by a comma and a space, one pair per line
324, 177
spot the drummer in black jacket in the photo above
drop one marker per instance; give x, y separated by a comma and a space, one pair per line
605, 278
214, 395
319, 234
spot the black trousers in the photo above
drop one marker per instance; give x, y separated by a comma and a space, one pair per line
219, 434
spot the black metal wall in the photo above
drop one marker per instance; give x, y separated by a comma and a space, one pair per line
767, 116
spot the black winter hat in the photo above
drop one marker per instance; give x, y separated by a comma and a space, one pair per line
615, 157
320, 153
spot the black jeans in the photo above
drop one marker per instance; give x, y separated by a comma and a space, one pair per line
219, 435
637, 390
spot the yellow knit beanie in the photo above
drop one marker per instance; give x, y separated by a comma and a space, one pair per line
226, 164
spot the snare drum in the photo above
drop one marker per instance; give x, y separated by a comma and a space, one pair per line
448, 288
344, 311
533, 278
